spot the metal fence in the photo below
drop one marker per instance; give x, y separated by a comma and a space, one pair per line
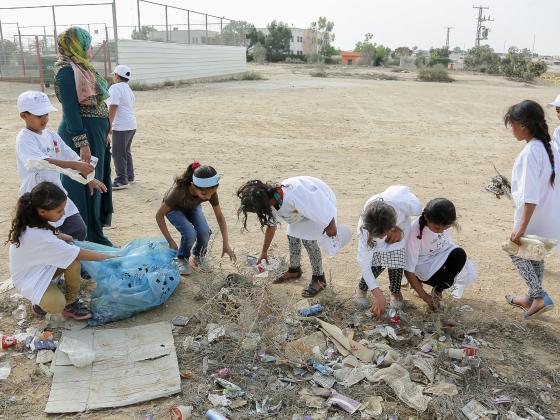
28, 52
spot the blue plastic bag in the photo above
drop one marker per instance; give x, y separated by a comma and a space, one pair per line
142, 277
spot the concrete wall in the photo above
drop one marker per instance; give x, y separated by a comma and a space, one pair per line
157, 62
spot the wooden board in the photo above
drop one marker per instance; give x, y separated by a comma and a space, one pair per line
131, 365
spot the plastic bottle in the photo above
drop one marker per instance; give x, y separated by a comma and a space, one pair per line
215, 415
312, 310
7, 341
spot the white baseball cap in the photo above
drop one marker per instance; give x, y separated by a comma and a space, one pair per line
123, 71
556, 102
34, 102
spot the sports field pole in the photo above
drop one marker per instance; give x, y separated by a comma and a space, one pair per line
115, 30
54, 25
21, 51
39, 64
189, 26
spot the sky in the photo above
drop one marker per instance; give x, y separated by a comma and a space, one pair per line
519, 23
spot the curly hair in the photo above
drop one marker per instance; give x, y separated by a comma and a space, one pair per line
255, 197
46, 196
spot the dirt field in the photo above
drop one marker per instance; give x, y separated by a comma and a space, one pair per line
359, 135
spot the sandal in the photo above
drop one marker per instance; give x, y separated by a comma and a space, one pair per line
310, 290
284, 277
548, 305
509, 300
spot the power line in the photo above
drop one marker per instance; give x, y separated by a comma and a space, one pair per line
481, 30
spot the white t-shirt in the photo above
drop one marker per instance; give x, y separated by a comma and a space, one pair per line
556, 139
120, 94
530, 183
48, 145
406, 205
308, 207
34, 263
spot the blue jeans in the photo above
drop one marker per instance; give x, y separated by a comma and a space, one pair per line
194, 230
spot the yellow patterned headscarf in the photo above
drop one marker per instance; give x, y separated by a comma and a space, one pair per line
73, 46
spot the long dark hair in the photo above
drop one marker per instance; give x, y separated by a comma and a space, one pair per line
439, 211
46, 196
255, 197
200, 171
378, 218
531, 115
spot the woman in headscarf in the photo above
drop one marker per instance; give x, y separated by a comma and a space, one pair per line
85, 127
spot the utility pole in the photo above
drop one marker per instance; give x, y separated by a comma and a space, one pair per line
448, 28
481, 30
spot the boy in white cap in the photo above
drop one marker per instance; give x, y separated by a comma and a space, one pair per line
556, 135
123, 126
37, 142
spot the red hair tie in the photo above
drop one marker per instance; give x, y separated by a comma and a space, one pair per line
195, 165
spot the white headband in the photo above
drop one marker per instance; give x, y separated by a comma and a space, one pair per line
206, 182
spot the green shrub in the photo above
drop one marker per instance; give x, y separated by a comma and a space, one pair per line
252, 75
319, 73
437, 73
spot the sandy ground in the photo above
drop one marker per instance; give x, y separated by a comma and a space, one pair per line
358, 134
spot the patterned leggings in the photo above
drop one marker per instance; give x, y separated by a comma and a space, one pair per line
395, 277
533, 274
313, 251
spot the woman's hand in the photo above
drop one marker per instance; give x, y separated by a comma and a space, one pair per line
227, 250
96, 185
85, 154
395, 235
379, 303
64, 237
330, 230
173, 245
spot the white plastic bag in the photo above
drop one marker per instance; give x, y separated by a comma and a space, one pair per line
331, 245
79, 353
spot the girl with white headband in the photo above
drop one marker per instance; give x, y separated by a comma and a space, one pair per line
182, 207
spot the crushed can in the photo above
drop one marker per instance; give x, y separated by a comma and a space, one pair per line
222, 373
470, 350
312, 310
215, 415
7, 341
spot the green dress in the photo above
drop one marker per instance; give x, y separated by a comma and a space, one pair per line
86, 125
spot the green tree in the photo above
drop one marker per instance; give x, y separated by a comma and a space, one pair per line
237, 33
483, 59
277, 42
323, 36
372, 54
439, 56
142, 34
518, 64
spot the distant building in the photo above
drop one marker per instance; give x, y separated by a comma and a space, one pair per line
350, 58
304, 42
181, 36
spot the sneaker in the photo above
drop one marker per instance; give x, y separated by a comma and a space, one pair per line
183, 266
77, 310
201, 264
132, 181
119, 186
38, 311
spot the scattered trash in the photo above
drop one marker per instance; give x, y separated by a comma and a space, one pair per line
79, 353
323, 380
325, 370
215, 331
311, 310
302, 348
398, 379
5, 370
465, 308
457, 354
475, 410
470, 350
188, 342
186, 374
7, 341
46, 370
44, 356
502, 399
534, 413
219, 400
148, 416
43, 345
311, 400
181, 412
427, 345
441, 389
180, 321
6, 285
222, 373
347, 404
265, 409
20, 313
372, 407
230, 389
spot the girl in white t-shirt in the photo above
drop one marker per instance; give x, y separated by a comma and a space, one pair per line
308, 206
556, 136
431, 256
39, 254
383, 229
536, 196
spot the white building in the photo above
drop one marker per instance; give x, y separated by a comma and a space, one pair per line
182, 36
303, 42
